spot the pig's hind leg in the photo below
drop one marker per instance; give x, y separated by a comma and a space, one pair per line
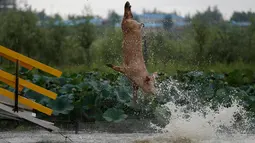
116, 68
135, 86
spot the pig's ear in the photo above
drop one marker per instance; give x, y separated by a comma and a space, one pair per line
147, 79
155, 74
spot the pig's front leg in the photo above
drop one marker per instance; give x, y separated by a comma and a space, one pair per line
135, 89
142, 25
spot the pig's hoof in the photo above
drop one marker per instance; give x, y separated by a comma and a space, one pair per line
127, 5
109, 65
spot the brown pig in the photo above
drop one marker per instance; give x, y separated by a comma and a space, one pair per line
133, 62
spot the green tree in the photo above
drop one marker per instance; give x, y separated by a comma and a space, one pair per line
113, 18
86, 36
56, 37
242, 16
251, 37
210, 16
162, 49
223, 44
19, 31
200, 35
109, 46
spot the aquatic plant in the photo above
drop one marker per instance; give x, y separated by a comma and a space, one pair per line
99, 96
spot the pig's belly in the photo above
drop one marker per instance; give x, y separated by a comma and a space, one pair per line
133, 56
137, 79
135, 70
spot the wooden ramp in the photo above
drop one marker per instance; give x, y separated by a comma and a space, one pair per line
8, 113
8, 102
15, 106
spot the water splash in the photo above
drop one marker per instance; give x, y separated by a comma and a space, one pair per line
194, 121
198, 126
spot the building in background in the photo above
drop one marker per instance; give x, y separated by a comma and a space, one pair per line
7, 4
241, 24
95, 21
157, 21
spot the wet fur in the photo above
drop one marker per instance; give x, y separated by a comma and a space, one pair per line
133, 62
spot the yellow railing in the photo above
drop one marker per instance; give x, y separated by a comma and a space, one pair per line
19, 83
26, 102
26, 62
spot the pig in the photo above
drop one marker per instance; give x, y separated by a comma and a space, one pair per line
133, 66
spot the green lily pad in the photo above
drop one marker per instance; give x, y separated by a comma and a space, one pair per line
114, 115
252, 98
221, 92
123, 94
62, 105
106, 90
37, 97
89, 101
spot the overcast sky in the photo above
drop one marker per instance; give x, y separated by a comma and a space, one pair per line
101, 7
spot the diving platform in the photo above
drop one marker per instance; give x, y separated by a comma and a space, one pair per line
13, 105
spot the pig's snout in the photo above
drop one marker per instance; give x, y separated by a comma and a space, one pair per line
153, 90
150, 90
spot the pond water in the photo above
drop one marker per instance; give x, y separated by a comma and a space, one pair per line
46, 137
185, 126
